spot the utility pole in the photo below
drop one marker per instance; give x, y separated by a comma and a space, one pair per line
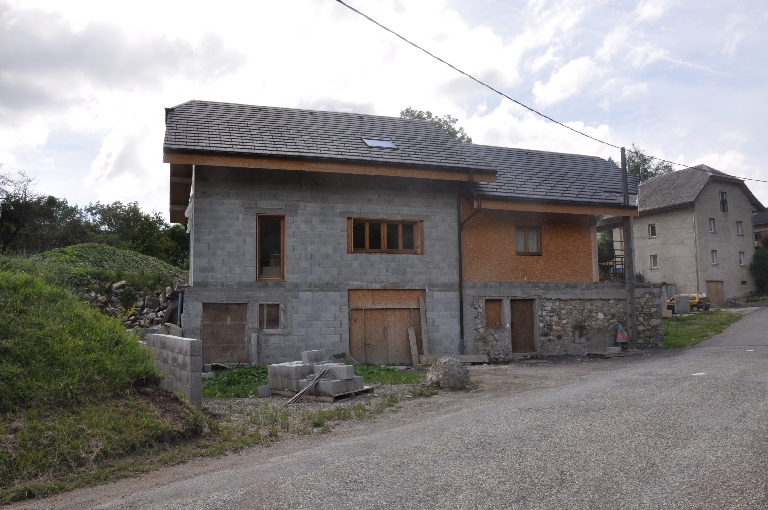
629, 260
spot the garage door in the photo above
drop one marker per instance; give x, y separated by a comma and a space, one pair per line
381, 323
224, 327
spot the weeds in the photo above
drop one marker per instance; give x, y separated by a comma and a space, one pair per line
374, 374
235, 383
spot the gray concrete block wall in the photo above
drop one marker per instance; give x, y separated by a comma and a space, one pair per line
319, 271
182, 360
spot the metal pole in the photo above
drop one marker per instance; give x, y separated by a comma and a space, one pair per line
629, 260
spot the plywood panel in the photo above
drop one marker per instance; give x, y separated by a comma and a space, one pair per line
522, 325
364, 298
356, 318
224, 333
376, 337
493, 313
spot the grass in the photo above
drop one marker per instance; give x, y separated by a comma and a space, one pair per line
695, 328
235, 383
373, 374
76, 392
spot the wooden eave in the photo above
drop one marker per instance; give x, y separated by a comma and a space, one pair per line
181, 172
554, 207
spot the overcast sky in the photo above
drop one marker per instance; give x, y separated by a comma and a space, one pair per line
83, 84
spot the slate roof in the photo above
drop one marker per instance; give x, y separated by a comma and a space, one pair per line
680, 188
760, 218
551, 176
235, 129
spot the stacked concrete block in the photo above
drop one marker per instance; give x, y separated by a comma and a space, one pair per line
339, 379
286, 376
295, 375
182, 360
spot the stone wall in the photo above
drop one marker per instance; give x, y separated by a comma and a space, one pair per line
571, 318
181, 359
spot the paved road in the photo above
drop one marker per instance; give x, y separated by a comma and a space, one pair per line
675, 431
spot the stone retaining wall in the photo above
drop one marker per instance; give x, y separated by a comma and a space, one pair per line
571, 318
181, 359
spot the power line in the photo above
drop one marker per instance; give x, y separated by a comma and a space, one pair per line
480, 82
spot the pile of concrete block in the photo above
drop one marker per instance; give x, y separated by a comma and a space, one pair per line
293, 376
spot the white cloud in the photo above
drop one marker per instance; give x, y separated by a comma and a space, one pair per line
649, 10
735, 163
568, 81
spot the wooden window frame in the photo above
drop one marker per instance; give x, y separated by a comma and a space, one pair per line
418, 235
263, 316
528, 253
259, 276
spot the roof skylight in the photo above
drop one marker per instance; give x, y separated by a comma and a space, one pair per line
379, 143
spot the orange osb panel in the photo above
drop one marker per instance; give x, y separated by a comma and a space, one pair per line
488, 245
359, 298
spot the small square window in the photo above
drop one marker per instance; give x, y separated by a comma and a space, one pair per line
741, 258
743, 282
269, 315
380, 143
493, 313
713, 256
739, 228
654, 262
651, 230
528, 240
712, 225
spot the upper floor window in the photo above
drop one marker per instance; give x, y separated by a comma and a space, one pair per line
712, 225
713, 256
651, 230
384, 236
741, 259
270, 247
654, 262
528, 240
739, 228
723, 202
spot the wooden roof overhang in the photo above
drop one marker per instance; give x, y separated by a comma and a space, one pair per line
182, 162
553, 206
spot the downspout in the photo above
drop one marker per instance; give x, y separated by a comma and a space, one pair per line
460, 224
696, 247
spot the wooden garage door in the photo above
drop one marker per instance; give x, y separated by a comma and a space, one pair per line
715, 293
522, 315
224, 328
379, 324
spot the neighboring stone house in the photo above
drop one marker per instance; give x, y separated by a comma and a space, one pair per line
314, 229
694, 230
759, 227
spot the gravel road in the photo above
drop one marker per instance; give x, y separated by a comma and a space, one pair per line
680, 429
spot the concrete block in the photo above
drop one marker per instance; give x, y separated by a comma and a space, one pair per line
265, 391
313, 356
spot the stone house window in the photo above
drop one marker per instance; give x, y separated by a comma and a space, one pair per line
712, 225
269, 315
384, 236
739, 228
270, 247
741, 258
654, 261
651, 231
723, 202
528, 240
493, 313
713, 257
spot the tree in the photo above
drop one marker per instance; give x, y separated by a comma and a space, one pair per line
605, 251
447, 123
643, 166
759, 267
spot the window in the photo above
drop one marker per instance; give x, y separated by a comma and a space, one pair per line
270, 249
384, 236
654, 262
528, 240
713, 255
739, 228
379, 143
711, 224
269, 315
741, 258
493, 313
651, 230
743, 282
723, 202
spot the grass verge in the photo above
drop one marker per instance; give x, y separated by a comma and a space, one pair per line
235, 383
697, 327
374, 374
